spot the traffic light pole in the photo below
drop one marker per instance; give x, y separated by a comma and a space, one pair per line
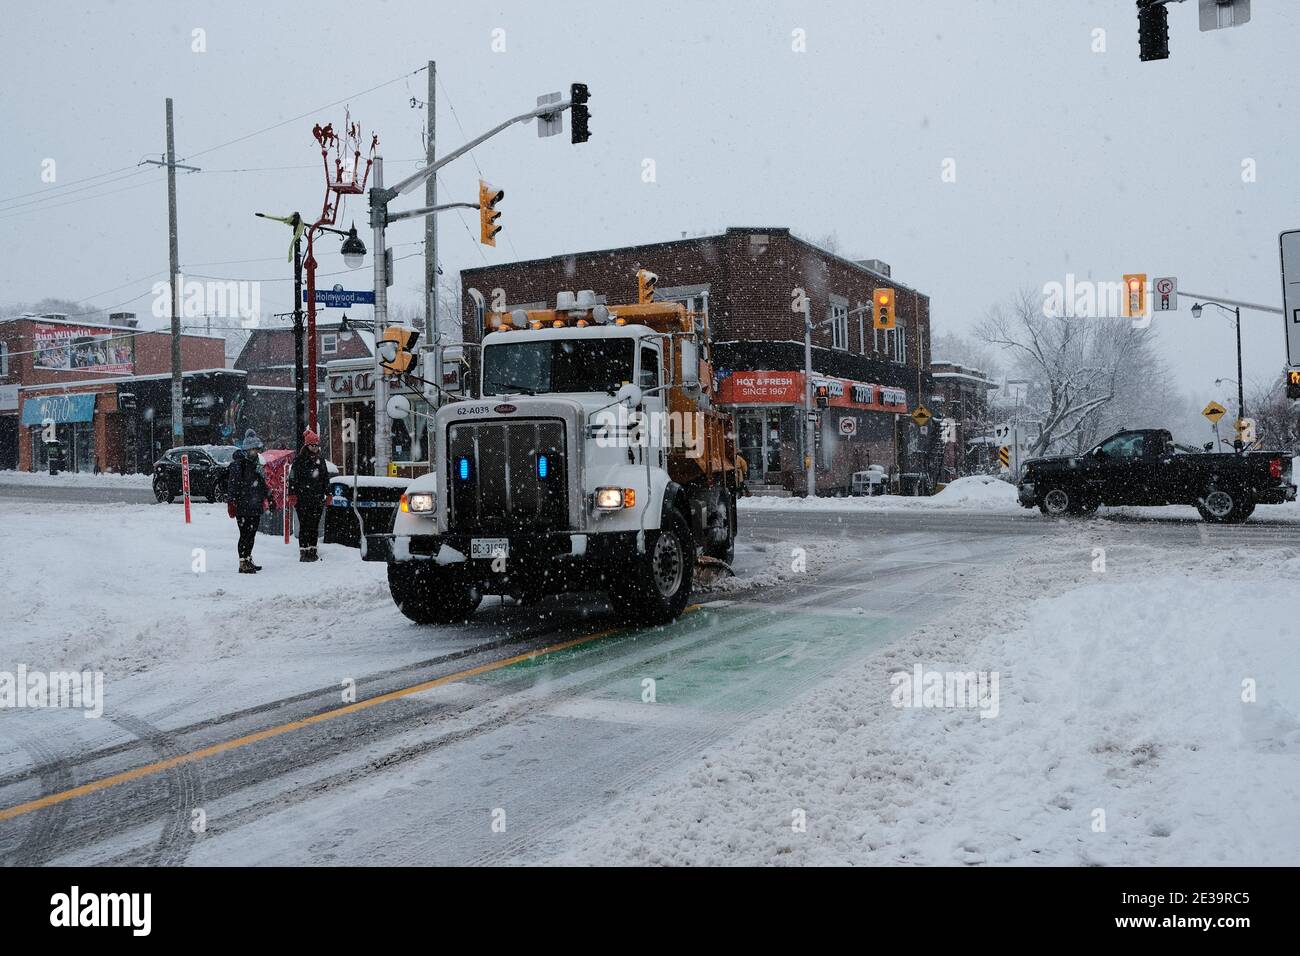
380, 197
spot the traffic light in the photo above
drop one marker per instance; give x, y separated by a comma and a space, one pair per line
581, 115
823, 395
1153, 30
882, 315
395, 349
1135, 294
645, 285
488, 214
1293, 383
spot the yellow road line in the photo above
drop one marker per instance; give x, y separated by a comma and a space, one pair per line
214, 749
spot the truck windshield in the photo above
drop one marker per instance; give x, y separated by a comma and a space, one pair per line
558, 365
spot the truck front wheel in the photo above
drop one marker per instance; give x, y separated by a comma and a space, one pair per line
655, 586
1057, 502
427, 594
725, 551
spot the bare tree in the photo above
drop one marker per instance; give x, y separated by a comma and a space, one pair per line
1277, 418
1074, 365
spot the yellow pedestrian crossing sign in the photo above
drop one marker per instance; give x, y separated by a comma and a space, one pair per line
1214, 411
921, 415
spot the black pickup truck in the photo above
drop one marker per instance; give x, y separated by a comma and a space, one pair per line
1145, 467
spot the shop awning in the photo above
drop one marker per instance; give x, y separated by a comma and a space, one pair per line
59, 408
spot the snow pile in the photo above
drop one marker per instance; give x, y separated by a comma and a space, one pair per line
1121, 736
975, 493
71, 479
133, 590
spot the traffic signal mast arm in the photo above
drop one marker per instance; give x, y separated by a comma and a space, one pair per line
388, 193
430, 210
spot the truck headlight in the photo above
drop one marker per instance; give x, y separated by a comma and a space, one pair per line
419, 503
613, 499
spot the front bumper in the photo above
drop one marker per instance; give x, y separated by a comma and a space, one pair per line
524, 549
1027, 495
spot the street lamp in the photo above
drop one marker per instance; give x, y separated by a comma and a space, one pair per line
353, 249
1197, 309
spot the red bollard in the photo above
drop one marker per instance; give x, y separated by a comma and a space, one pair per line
185, 485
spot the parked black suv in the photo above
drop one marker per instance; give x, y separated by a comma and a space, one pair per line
1145, 467
208, 465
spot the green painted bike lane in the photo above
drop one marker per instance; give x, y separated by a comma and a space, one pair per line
714, 659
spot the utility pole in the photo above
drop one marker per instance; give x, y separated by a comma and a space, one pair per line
432, 345
178, 419
383, 444
299, 398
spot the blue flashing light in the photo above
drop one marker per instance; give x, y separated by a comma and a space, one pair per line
463, 469
543, 466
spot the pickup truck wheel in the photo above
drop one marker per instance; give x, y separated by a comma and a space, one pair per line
1221, 506
429, 595
655, 587
1057, 503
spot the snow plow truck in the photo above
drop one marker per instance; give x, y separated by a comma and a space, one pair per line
590, 458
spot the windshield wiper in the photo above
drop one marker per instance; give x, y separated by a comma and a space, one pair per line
515, 386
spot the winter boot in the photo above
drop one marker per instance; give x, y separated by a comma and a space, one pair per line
255, 567
304, 554
246, 566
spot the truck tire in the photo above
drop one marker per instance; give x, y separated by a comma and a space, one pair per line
1059, 501
1224, 506
428, 595
655, 587
725, 551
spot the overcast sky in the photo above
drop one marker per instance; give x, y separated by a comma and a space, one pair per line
1067, 160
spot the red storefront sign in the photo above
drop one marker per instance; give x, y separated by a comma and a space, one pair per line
787, 388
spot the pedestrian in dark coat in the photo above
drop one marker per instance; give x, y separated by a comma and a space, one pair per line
248, 497
309, 484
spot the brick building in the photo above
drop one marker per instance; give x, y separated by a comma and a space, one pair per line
63, 373
745, 280
962, 395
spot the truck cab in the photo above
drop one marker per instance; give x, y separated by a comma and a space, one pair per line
589, 458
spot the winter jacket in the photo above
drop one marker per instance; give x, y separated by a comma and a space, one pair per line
246, 485
309, 480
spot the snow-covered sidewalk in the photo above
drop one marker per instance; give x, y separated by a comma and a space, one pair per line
1144, 714
73, 479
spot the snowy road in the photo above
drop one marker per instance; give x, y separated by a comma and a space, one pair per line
227, 736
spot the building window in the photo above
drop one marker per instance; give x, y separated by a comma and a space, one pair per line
896, 344
4, 360
839, 323
329, 343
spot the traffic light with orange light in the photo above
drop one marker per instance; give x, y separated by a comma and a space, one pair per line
1293, 383
1135, 295
488, 215
882, 311
645, 285
395, 346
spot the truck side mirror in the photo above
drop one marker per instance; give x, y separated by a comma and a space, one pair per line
629, 395
690, 361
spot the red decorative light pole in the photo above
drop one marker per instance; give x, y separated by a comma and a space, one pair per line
343, 181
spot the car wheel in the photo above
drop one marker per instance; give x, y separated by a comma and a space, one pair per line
1057, 502
162, 492
429, 595
657, 585
1222, 506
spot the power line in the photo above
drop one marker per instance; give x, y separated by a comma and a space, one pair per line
75, 182
64, 195
73, 202
294, 119
456, 117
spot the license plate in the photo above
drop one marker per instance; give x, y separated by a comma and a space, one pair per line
489, 548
